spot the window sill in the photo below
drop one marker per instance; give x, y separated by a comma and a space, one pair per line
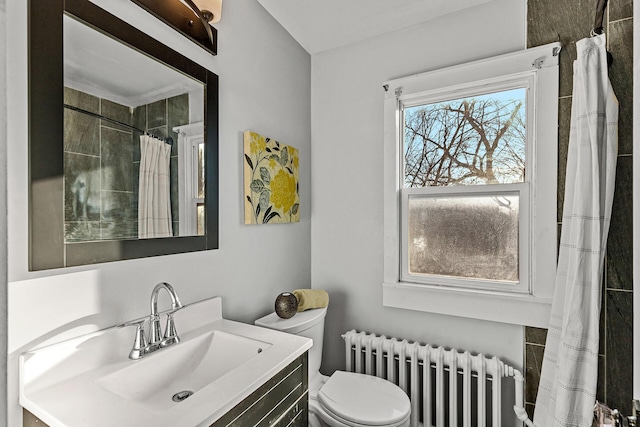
515, 309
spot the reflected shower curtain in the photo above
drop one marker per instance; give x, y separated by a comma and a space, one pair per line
154, 198
567, 390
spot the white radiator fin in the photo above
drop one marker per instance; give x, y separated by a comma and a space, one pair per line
425, 374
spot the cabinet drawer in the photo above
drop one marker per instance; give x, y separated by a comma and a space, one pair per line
265, 407
296, 415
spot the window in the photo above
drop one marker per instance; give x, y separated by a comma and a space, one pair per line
470, 188
191, 177
463, 166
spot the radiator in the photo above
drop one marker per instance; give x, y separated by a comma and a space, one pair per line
456, 388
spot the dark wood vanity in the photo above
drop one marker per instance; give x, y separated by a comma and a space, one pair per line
280, 402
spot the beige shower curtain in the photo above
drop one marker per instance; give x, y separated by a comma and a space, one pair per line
567, 390
154, 199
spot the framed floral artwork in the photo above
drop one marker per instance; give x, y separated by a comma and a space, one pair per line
270, 181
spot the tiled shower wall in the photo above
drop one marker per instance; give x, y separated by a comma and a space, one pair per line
568, 21
98, 168
102, 161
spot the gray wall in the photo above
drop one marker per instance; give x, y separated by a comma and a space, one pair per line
572, 21
347, 136
265, 87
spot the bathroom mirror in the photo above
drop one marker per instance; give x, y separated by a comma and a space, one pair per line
105, 99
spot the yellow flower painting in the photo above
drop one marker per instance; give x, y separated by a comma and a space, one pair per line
270, 181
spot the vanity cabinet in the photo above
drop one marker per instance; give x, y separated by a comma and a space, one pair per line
280, 402
30, 420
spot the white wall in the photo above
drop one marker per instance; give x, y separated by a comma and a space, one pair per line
265, 87
3, 210
347, 168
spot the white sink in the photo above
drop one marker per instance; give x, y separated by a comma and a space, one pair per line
90, 380
185, 367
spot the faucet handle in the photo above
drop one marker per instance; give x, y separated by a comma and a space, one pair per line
139, 342
170, 334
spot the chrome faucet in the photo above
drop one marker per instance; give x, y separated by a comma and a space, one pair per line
156, 339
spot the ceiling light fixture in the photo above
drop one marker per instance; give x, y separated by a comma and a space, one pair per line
211, 10
180, 15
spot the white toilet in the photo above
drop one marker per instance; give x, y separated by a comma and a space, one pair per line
344, 399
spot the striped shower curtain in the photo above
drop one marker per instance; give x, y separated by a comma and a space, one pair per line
154, 198
567, 389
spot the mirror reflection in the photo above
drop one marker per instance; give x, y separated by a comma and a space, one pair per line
133, 142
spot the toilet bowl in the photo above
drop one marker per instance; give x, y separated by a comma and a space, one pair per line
344, 399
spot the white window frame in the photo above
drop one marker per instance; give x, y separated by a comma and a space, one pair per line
529, 303
189, 137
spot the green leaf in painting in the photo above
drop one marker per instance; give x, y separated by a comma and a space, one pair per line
284, 157
268, 211
264, 199
257, 210
265, 175
257, 186
295, 208
268, 149
275, 157
248, 159
270, 217
249, 199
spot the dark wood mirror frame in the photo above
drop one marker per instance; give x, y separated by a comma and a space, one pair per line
47, 248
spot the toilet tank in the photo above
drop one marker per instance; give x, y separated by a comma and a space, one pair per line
308, 324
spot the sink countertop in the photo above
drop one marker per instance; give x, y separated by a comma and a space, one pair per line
60, 383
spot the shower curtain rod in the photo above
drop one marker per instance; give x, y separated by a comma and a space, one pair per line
167, 140
597, 25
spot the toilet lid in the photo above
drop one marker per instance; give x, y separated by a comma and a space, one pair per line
364, 399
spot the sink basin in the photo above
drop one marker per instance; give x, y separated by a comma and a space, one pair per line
90, 380
185, 367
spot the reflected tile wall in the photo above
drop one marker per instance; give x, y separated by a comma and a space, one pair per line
81, 168
98, 171
81, 130
569, 21
102, 163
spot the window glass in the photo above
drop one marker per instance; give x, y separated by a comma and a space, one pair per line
473, 237
201, 171
200, 222
466, 141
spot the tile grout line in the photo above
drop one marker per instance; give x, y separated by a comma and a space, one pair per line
629, 18
628, 291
